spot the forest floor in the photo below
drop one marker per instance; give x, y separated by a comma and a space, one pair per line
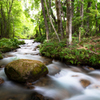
92, 44
87, 52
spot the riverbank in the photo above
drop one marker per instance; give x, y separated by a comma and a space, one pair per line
7, 45
87, 52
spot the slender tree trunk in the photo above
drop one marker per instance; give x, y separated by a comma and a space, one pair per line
4, 21
1, 28
51, 21
78, 9
96, 19
72, 15
81, 14
69, 21
13, 28
54, 18
36, 35
62, 12
59, 19
45, 20
8, 16
40, 30
99, 28
88, 21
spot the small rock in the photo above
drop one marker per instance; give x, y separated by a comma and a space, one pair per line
35, 48
6, 56
1, 81
14, 50
75, 69
90, 68
29, 85
28, 45
53, 69
96, 86
74, 75
85, 82
47, 62
37, 96
2, 66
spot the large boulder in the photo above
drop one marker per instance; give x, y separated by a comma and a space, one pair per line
25, 70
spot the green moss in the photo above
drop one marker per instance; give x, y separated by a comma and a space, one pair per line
26, 69
1, 57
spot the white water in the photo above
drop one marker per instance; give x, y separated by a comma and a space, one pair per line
62, 82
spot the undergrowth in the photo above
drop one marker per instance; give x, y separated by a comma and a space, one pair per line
8, 45
71, 54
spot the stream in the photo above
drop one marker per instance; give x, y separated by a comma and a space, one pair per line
63, 82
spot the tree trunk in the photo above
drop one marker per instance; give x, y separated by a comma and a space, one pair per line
72, 15
96, 19
51, 22
63, 14
88, 21
81, 14
40, 30
1, 28
99, 28
59, 19
4, 21
54, 18
45, 20
69, 21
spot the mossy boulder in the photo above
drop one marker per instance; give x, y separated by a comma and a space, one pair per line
1, 57
25, 70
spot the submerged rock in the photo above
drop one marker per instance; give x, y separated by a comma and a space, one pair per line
1, 81
37, 96
94, 86
25, 70
2, 66
85, 82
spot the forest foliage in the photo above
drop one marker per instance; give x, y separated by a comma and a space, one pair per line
69, 29
14, 21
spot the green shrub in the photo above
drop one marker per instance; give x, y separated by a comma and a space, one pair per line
40, 38
9, 44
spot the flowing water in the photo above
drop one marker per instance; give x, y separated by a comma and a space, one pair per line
62, 82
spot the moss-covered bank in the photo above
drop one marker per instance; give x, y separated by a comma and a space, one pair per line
7, 45
75, 54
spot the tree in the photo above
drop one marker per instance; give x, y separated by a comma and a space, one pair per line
81, 15
45, 19
59, 19
69, 21
52, 22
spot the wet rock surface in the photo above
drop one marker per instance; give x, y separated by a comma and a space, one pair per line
1, 81
25, 70
37, 96
2, 66
85, 82
75, 69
